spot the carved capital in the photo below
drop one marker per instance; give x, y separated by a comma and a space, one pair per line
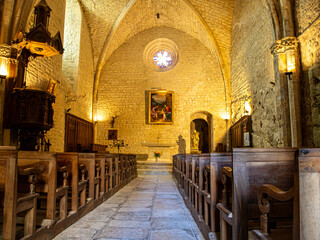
284, 45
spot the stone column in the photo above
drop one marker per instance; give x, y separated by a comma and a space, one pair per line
287, 75
282, 100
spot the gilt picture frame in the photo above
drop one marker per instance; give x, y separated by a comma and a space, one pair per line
161, 107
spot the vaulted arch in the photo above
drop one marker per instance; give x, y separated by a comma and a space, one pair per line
139, 15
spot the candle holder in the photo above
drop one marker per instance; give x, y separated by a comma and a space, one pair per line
118, 144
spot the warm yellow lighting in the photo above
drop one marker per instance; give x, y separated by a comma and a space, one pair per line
3, 67
291, 61
225, 116
8, 61
97, 118
247, 108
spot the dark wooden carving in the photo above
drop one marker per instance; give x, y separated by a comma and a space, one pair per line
32, 109
79, 134
32, 116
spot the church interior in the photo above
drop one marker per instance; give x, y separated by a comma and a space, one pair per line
210, 108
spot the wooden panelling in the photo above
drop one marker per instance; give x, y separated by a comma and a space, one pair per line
78, 134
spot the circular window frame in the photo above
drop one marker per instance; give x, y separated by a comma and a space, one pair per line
158, 45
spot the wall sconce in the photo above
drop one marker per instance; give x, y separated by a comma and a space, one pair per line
8, 62
95, 120
247, 108
225, 116
291, 64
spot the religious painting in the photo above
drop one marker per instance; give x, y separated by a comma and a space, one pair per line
112, 134
160, 107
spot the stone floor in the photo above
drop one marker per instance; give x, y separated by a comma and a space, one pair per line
149, 207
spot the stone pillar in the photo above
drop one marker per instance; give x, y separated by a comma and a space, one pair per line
282, 100
287, 75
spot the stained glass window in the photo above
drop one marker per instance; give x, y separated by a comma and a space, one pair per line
162, 59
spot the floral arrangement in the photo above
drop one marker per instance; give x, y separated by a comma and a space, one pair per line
157, 154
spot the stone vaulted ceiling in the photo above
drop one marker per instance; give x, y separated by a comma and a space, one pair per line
113, 22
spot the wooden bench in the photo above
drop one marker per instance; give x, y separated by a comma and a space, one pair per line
187, 169
266, 194
217, 162
93, 172
225, 206
78, 177
252, 168
12, 202
46, 169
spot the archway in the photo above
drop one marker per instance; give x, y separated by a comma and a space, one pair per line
202, 122
201, 126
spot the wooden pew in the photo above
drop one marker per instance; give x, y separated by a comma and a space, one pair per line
93, 168
104, 174
252, 168
195, 182
179, 162
78, 179
187, 163
45, 164
110, 179
266, 194
115, 171
203, 193
217, 162
225, 206
309, 198
209, 190
10, 201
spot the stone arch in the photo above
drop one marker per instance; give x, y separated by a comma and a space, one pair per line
210, 42
274, 18
208, 118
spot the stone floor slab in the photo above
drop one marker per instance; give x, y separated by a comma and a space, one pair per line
149, 207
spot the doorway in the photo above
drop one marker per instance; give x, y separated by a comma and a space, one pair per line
201, 126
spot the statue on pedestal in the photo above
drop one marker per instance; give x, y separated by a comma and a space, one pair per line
195, 142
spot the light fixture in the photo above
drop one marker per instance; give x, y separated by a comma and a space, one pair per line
291, 64
247, 108
95, 119
225, 116
8, 62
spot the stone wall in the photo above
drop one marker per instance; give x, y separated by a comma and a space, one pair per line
196, 82
252, 70
41, 70
308, 32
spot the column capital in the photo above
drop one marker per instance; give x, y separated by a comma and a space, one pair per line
284, 45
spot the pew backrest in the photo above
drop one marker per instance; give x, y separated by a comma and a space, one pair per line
251, 169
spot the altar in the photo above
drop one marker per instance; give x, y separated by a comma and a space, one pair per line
163, 148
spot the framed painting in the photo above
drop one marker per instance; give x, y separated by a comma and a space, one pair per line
112, 134
160, 109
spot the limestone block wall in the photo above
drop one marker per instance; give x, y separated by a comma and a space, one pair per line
308, 32
196, 81
41, 70
252, 70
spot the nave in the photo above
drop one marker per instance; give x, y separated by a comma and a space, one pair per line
149, 207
